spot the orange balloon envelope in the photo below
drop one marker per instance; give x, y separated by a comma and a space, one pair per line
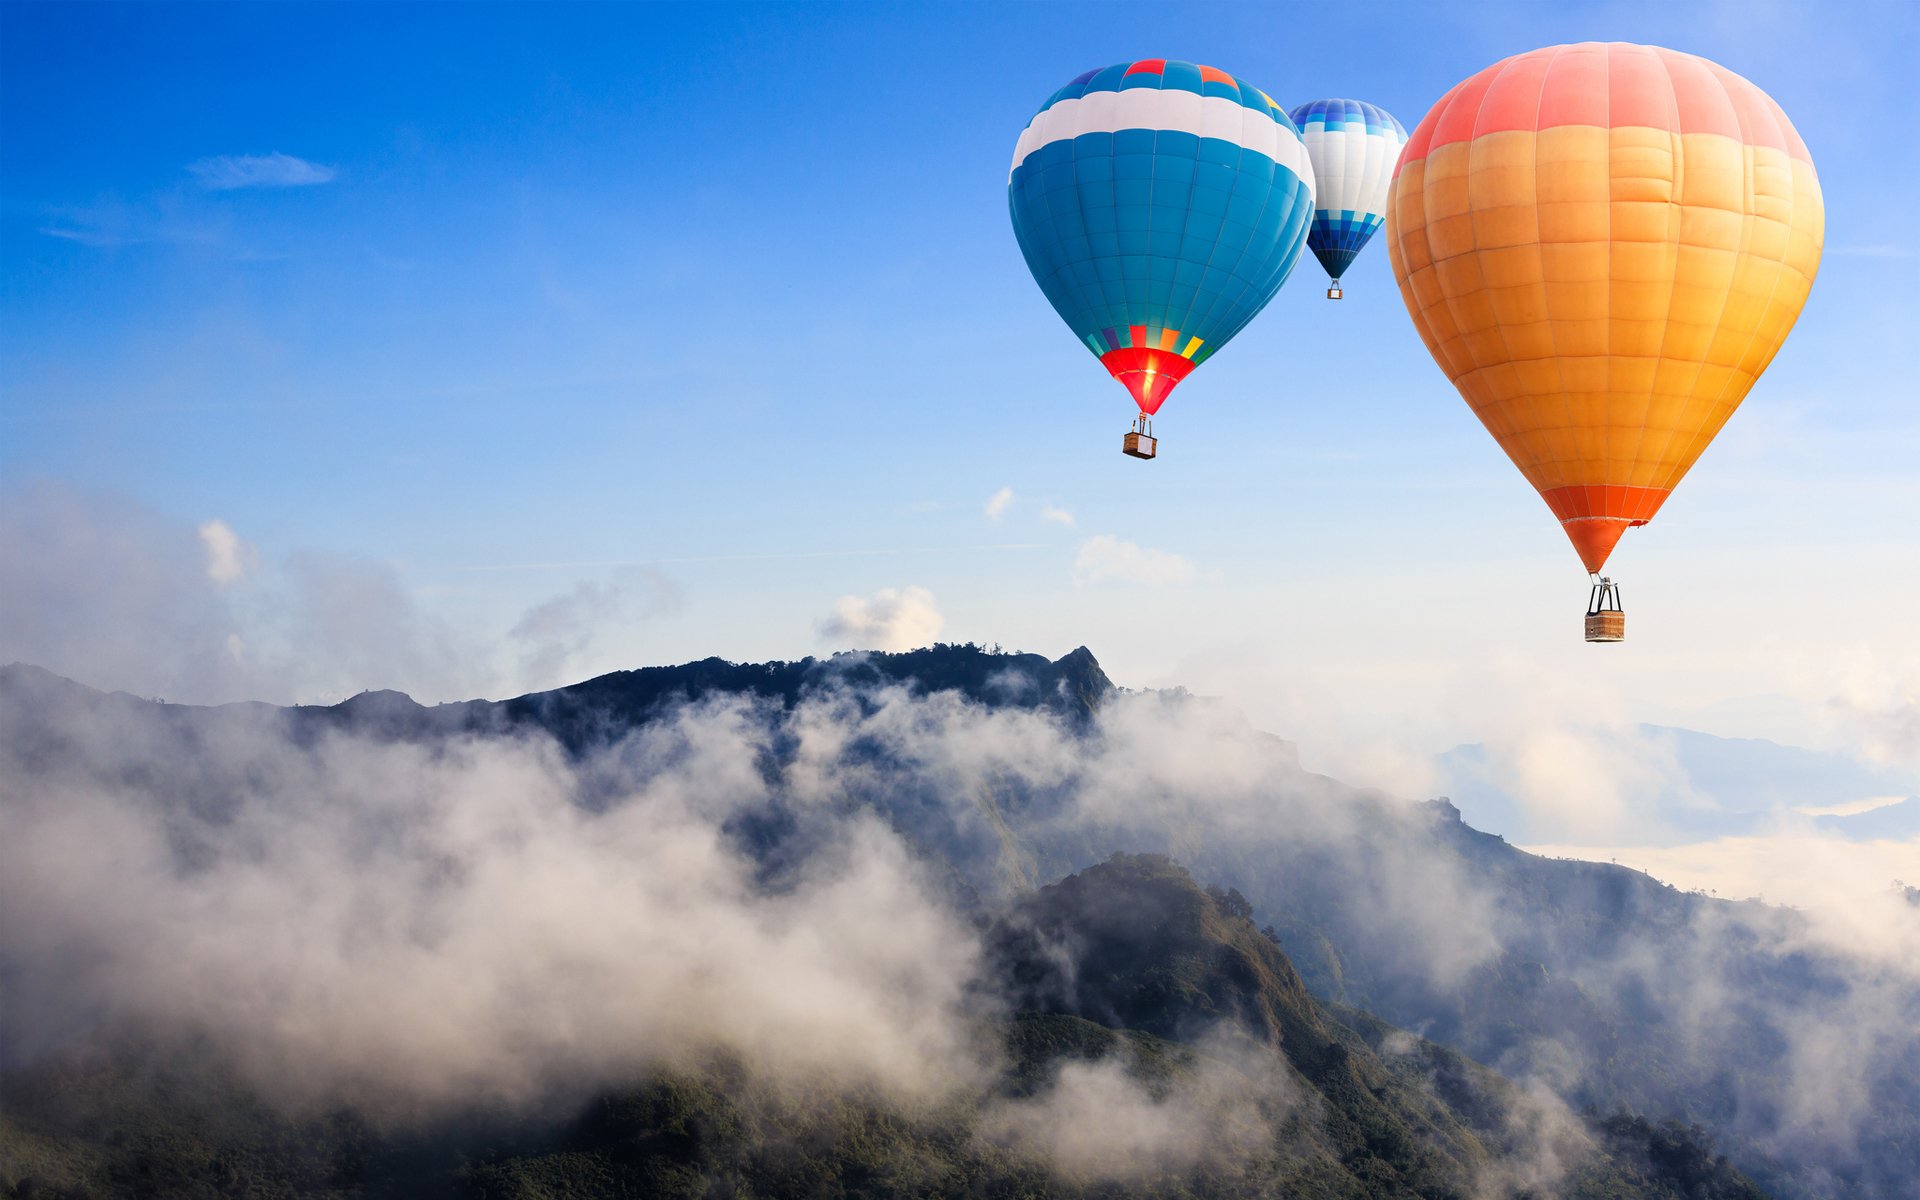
1603, 246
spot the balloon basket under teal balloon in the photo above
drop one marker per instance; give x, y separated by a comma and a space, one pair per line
1140, 442
1333, 290
1606, 620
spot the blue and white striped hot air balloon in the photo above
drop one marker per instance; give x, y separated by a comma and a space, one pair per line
1353, 145
1160, 205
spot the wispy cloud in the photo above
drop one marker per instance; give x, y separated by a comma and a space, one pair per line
778, 556
1108, 559
228, 558
1059, 516
111, 222
890, 619
559, 630
999, 503
230, 172
98, 238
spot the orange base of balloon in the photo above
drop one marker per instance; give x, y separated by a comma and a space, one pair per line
1149, 375
1594, 538
1596, 515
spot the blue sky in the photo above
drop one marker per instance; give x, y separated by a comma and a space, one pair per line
685, 323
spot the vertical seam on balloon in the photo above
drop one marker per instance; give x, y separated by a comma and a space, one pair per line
1187, 317
1093, 260
1780, 269
1146, 293
1230, 327
1020, 236
1606, 414
1285, 268
1064, 271
1213, 252
1453, 313
1375, 146
1674, 471
1297, 208
1399, 239
1676, 140
1120, 259
1193, 184
1748, 218
1220, 298
1540, 251
1322, 194
1680, 467
1426, 232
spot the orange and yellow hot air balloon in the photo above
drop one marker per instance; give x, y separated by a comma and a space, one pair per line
1603, 246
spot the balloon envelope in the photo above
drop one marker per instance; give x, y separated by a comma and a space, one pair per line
1603, 246
1160, 205
1353, 146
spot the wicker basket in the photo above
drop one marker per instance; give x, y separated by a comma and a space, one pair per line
1608, 625
1333, 292
1141, 445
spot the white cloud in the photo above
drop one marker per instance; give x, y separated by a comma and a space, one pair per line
557, 631
890, 619
1097, 1120
410, 926
1592, 782
999, 503
1107, 558
1059, 516
229, 172
228, 558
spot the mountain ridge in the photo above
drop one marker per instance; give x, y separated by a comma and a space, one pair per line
1302, 1104
1581, 973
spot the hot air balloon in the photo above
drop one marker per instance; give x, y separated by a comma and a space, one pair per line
1160, 205
1603, 246
1352, 145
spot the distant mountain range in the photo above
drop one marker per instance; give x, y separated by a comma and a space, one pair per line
1629, 1001
1710, 787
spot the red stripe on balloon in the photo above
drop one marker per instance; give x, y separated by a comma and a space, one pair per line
1605, 85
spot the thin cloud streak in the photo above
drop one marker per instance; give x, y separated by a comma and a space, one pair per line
232, 172
768, 557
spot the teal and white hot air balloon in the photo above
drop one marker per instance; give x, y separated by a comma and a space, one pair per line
1353, 146
1160, 205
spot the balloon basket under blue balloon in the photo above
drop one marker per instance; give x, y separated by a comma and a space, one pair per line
1333, 290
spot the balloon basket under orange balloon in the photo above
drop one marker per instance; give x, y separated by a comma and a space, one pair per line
1140, 442
1606, 620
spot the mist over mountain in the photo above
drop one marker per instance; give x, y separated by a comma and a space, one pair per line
883, 879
